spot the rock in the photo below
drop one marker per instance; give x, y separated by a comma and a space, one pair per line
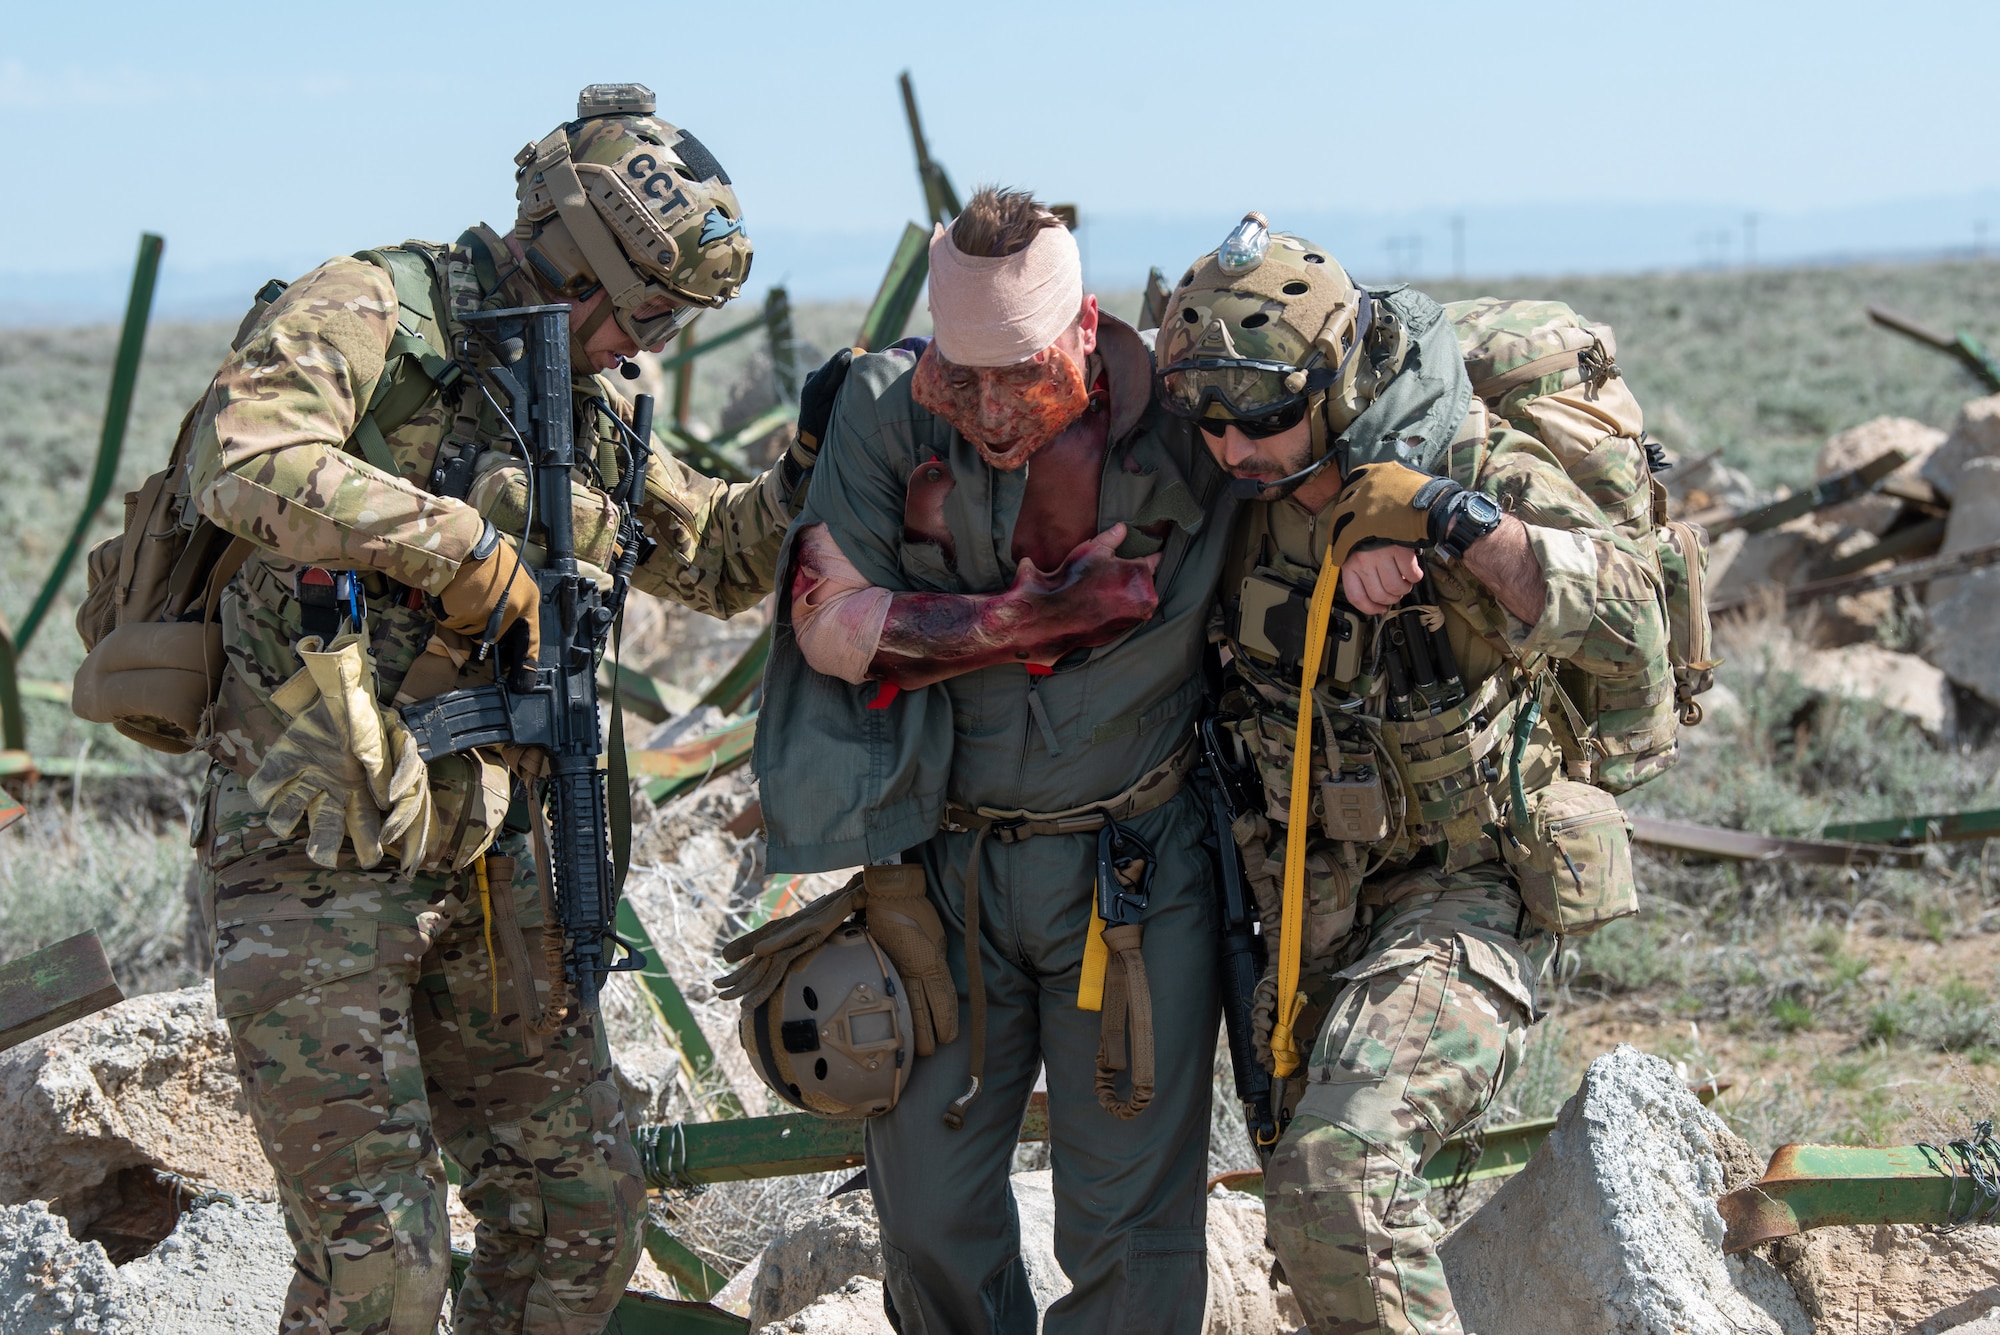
149, 1083
1782, 555
1975, 435
1241, 1299
50, 1284
855, 1308
1901, 682
817, 1252
1612, 1228
1965, 637
1852, 448
223, 1271
1896, 1278
822, 1252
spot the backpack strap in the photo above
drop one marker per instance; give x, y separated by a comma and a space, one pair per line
415, 368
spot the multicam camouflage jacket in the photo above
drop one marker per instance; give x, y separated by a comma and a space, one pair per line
275, 459
1415, 711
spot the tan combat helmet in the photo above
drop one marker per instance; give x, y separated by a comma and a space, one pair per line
836, 1038
619, 197
1264, 328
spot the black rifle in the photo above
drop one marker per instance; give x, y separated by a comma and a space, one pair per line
1242, 952
551, 704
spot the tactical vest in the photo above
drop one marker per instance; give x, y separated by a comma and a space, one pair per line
1415, 712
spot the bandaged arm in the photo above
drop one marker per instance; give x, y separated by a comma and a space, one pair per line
857, 631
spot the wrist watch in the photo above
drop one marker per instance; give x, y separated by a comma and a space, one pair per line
1461, 521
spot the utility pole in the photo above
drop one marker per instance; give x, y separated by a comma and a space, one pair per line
1458, 245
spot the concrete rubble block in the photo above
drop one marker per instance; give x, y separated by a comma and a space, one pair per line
149, 1084
1974, 435
1612, 1228
808, 1271
1850, 449
1964, 635
223, 1270
1897, 1279
1904, 683
1783, 555
854, 1308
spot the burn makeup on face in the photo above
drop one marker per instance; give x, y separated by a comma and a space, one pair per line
1007, 412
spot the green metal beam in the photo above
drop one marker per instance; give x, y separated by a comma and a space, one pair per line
1943, 827
663, 997
1840, 487
1961, 345
649, 698
11, 810
54, 985
1813, 1186
673, 770
13, 723
787, 376
733, 687
697, 1278
889, 313
14, 763
643, 1314
687, 1154
706, 346
111, 441
1919, 539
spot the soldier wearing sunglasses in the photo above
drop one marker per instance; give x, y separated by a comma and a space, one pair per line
1395, 596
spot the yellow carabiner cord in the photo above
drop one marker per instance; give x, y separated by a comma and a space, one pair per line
486, 912
1285, 1057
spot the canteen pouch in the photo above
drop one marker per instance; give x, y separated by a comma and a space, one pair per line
1571, 852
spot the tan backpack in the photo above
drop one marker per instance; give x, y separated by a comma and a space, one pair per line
1547, 372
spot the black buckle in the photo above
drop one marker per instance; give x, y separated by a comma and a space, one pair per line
324, 596
1007, 831
1125, 865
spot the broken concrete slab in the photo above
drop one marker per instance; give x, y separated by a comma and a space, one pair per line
1900, 682
1974, 435
854, 1308
1964, 635
149, 1084
816, 1253
1850, 449
223, 1270
1612, 1229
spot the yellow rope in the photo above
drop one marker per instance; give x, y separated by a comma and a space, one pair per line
1285, 1055
486, 912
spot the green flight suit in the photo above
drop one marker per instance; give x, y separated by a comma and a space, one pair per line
843, 783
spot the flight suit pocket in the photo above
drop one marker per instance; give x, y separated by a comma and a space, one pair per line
1167, 1273
1384, 1001
261, 962
927, 567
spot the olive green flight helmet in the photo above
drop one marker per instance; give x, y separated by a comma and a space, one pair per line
1263, 327
836, 1037
620, 198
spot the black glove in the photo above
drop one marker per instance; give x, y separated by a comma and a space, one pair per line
822, 387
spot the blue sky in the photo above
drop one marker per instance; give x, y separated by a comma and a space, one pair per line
261, 138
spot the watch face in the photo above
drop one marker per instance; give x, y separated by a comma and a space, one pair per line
1483, 508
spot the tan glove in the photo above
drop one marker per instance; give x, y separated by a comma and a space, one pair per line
769, 952
1385, 502
907, 927
1264, 1015
495, 579
345, 765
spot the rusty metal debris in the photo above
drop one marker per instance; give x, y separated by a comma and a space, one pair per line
1743, 846
1916, 572
1814, 1186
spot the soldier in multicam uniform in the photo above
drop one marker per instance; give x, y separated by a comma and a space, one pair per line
384, 1012
1413, 938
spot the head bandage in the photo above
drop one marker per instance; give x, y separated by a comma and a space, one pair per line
1000, 310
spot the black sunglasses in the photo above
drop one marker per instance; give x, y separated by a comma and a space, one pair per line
1273, 423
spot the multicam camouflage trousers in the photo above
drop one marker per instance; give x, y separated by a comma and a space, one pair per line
1427, 1023
372, 1029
